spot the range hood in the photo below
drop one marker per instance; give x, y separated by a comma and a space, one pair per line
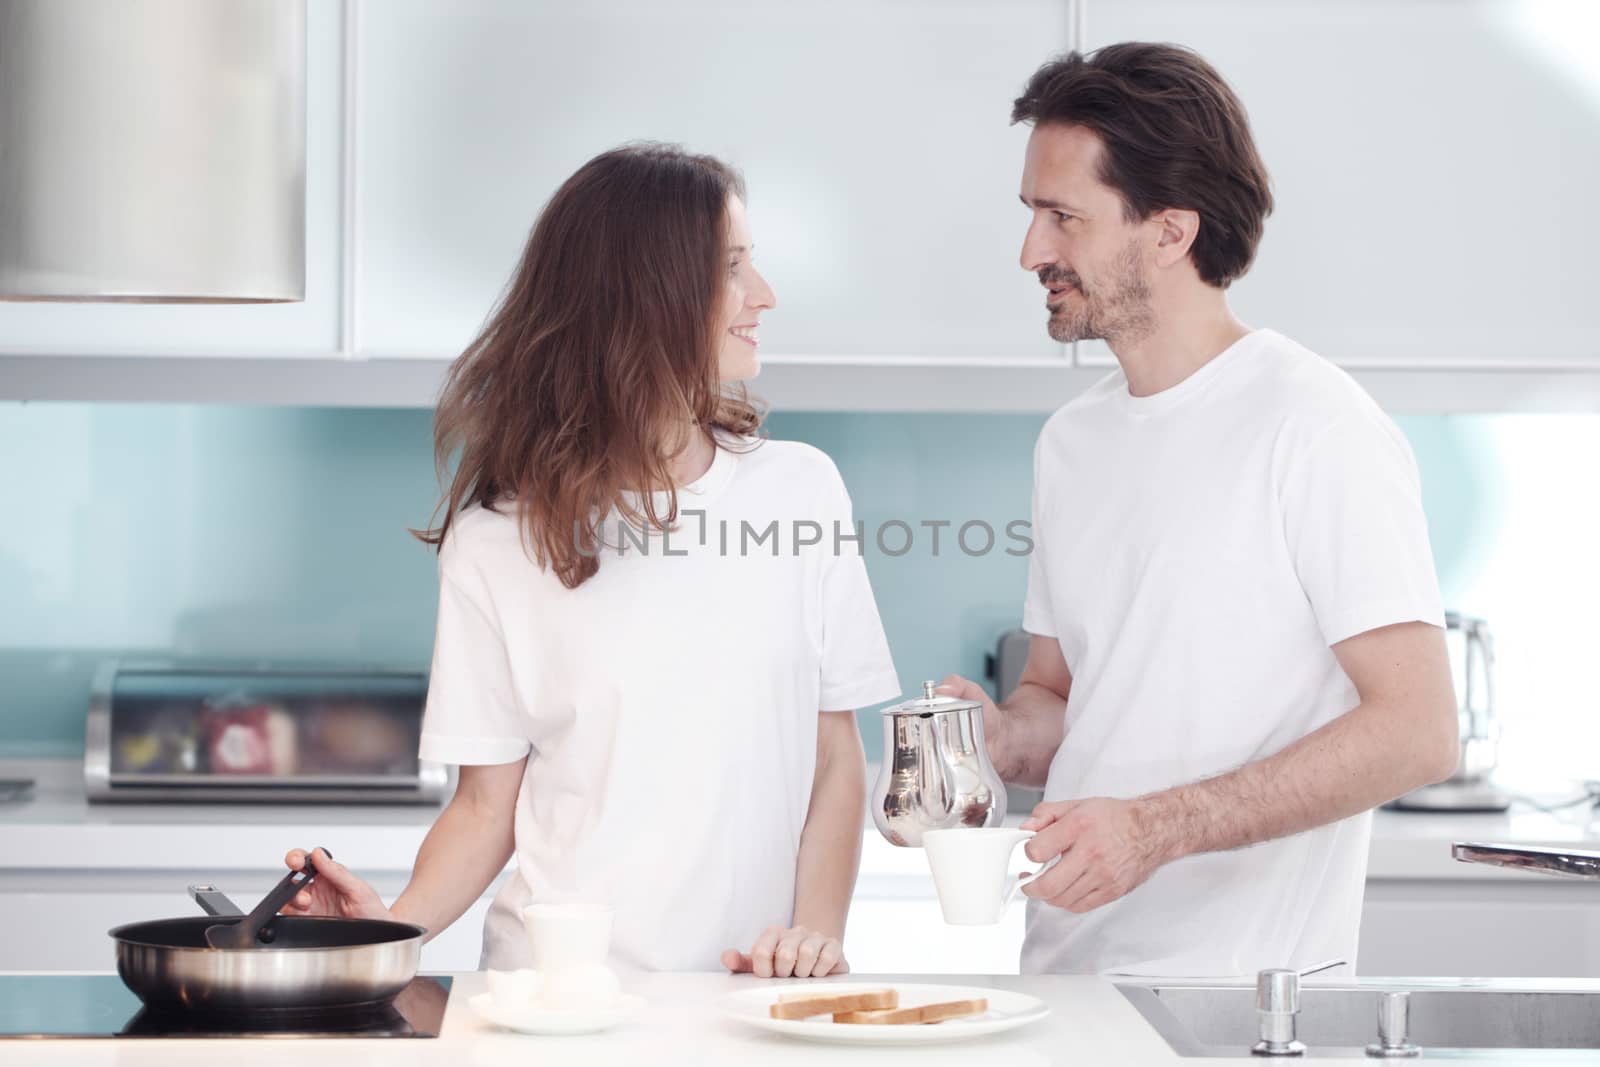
152, 150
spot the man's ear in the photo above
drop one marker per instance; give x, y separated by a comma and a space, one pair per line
1176, 229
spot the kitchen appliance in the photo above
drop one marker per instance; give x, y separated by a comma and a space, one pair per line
100, 1005
1468, 789
310, 963
935, 771
1542, 859
186, 731
1003, 667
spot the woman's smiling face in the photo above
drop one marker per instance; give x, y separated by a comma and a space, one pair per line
745, 296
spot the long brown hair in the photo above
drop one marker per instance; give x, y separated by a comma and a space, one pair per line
1174, 136
600, 360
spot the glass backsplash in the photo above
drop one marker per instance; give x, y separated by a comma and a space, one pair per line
281, 533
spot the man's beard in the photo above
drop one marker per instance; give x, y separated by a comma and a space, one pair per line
1117, 312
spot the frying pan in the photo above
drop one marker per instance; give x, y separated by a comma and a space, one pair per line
310, 962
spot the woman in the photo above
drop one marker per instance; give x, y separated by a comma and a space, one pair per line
647, 659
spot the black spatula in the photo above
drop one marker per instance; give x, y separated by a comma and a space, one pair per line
248, 931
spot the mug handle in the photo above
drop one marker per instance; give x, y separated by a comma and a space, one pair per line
1026, 876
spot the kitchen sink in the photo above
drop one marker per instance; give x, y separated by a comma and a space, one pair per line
1450, 1019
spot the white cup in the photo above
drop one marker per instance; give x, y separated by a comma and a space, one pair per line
971, 871
567, 936
570, 945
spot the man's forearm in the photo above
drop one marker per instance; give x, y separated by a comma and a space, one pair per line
462, 854
1362, 759
830, 844
1027, 733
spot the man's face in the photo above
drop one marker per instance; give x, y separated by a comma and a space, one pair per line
1087, 255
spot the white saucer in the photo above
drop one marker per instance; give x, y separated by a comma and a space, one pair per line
534, 1020
1007, 1011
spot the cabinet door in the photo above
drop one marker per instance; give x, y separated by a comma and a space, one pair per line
1433, 164
1536, 929
307, 328
908, 935
873, 137
64, 929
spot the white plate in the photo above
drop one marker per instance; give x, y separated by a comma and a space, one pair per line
537, 1021
1007, 1011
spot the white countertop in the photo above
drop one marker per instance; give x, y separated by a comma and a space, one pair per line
56, 828
1090, 1025
56, 831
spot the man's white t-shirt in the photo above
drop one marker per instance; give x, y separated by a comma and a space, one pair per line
668, 705
1196, 554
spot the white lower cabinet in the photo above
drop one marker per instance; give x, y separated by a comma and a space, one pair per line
1455, 927
1548, 928
909, 936
65, 929
58, 920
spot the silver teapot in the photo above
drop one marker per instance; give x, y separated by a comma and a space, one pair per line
936, 771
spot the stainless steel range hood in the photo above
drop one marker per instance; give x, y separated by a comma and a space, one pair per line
152, 150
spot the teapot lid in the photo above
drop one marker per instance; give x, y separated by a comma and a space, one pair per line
930, 702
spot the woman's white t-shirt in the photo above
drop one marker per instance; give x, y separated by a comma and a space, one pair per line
668, 705
1197, 553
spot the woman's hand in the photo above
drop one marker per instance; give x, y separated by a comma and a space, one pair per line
336, 891
784, 953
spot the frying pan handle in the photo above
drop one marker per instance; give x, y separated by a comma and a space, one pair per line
213, 902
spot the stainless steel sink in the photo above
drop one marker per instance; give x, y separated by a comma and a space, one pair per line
1449, 1019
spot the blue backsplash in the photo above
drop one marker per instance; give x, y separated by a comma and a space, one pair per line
281, 533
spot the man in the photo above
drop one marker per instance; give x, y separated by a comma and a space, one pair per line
1237, 637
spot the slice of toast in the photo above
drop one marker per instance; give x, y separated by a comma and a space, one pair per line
822, 1002
926, 1013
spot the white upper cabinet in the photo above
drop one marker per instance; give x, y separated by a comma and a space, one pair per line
303, 328
873, 137
1435, 166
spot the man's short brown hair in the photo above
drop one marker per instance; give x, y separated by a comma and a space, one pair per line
1174, 136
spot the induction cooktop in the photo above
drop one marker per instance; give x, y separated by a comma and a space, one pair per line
99, 1005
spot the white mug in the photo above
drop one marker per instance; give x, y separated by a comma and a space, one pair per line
570, 945
566, 937
971, 871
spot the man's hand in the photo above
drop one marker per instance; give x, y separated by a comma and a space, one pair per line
793, 952
1107, 847
956, 686
1023, 734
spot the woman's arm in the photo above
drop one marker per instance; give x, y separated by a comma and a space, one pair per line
825, 872
466, 849
467, 846
830, 844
